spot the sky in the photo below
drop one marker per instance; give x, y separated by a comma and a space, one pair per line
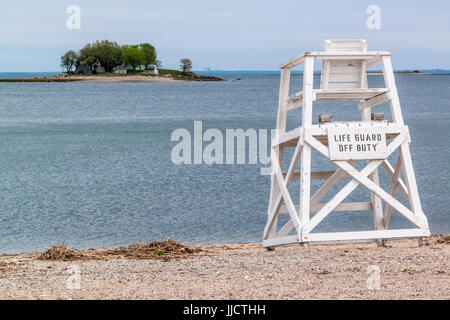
223, 35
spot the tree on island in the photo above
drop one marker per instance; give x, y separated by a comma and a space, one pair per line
110, 54
89, 61
133, 56
69, 60
107, 52
149, 52
185, 65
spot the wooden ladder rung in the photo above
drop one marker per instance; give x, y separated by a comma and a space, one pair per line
295, 101
314, 175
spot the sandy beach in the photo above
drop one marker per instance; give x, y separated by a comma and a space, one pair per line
128, 78
234, 271
63, 77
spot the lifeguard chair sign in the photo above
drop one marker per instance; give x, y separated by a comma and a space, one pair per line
343, 77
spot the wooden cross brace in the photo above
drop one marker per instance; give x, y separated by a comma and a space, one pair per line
345, 168
361, 177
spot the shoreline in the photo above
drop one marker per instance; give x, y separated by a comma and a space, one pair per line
115, 78
233, 271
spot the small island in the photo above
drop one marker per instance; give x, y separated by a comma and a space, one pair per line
107, 61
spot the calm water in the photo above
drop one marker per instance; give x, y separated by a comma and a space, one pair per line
89, 164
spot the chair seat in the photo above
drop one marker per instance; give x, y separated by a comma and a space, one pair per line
295, 100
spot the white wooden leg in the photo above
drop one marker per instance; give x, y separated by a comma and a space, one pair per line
271, 230
377, 206
273, 214
305, 177
305, 181
271, 227
285, 193
410, 179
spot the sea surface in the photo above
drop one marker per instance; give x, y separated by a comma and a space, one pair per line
89, 164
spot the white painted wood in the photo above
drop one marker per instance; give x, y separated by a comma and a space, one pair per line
344, 206
279, 150
287, 180
374, 101
284, 191
305, 178
277, 241
347, 94
353, 77
294, 62
377, 205
358, 177
335, 178
397, 117
372, 62
418, 221
337, 79
389, 80
345, 55
371, 56
320, 131
344, 77
324, 75
342, 74
393, 188
286, 137
361, 235
338, 242
284, 93
345, 45
363, 75
308, 82
323, 190
343, 67
339, 197
295, 101
314, 175
390, 170
286, 229
357, 143
410, 178
329, 184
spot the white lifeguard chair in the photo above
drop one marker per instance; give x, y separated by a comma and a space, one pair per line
343, 77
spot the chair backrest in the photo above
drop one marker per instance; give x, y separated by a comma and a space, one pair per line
344, 74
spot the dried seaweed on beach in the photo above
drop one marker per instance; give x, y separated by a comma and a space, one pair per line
437, 239
164, 250
443, 238
61, 253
